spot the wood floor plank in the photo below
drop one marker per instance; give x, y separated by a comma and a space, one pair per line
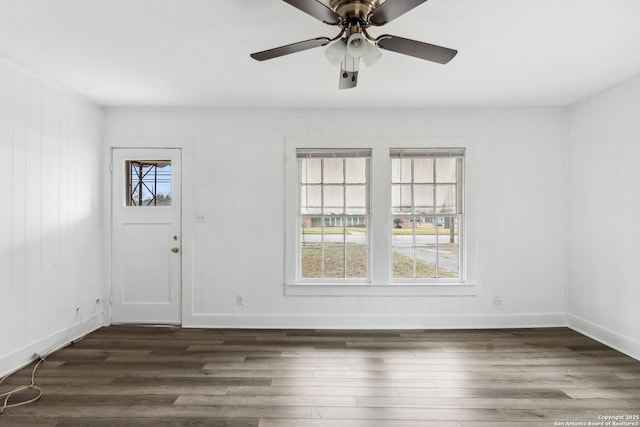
168, 376
564, 384
174, 359
458, 414
510, 423
134, 390
347, 382
216, 411
281, 364
211, 348
9, 420
170, 381
502, 393
44, 380
270, 422
313, 391
280, 400
71, 353
605, 394
147, 422
495, 403
38, 411
120, 399
457, 373
352, 352
259, 373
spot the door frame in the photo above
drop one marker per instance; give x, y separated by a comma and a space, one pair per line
185, 145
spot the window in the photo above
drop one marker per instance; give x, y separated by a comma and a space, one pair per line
333, 214
148, 182
376, 221
426, 207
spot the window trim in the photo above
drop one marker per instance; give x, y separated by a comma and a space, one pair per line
381, 282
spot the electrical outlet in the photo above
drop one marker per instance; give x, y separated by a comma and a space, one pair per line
239, 299
496, 301
200, 217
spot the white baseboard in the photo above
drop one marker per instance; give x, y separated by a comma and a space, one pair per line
19, 358
622, 343
276, 321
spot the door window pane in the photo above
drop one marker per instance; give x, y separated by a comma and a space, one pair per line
148, 183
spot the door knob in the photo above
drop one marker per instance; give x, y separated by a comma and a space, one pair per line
175, 249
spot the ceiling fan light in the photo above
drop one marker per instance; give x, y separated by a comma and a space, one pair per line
336, 51
372, 55
357, 45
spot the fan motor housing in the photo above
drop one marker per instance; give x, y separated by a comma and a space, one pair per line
354, 9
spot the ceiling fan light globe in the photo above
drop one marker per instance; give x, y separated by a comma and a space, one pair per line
357, 45
336, 51
372, 55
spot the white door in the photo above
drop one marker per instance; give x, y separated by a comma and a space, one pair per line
146, 251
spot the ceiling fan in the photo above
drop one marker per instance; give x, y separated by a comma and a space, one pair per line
353, 43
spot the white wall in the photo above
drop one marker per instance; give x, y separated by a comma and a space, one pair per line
604, 216
515, 202
50, 216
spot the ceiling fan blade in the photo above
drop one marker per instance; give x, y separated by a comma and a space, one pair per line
391, 9
426, 51
317, 10
290, 48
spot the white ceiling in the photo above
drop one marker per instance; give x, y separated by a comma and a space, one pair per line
195, 53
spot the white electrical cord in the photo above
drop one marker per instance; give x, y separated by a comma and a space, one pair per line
7, 395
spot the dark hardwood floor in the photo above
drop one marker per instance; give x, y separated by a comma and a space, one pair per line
162, 376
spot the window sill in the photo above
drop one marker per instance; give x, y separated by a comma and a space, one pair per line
392, 289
